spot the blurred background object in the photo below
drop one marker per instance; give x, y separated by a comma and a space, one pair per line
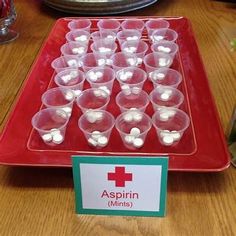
7, 17
98, 7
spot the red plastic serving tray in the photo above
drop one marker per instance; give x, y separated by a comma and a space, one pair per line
202, 148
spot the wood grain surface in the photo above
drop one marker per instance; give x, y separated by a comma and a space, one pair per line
40, 201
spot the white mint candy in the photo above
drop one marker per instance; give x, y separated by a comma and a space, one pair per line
68, 110
136, 90
151, 75
164, 133
162, 62
47, 137
128, 117
74, 74
91, 116
92, 76
101, 62
102, 141
165, 96
166, 50
61, 113
125, 87
81, 38
160, 76
161, 48
106, 90
168, 140
69, 96
164, 116
110, 37
57, 138
79, 50
139, 61
123, 76
77, 92
135, 131
158, 37
131, 61
72, 63
128, 74
109, 62
66, 78
96, 134
98, 115
132, 38
104, 50
170, 113
54, 131
92, 142
130, 49
129, 138
138, 142
176, 135
137, 116
98, 93
168, 91
99, 74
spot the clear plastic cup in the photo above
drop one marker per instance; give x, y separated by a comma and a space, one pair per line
101, 78
71, 79
51, 125
170, 125
92, 99
81, 24
165, 77
131, 79
154, 24
132, 102
167, 47
136, 24
121, 60
93, 59
164, 34
128, 35
66, 62
105, 47
98, 131
81, 36
166, 96
139, 48
74, 48
155, 60
108, 24
104, 34
60, 98
133, 127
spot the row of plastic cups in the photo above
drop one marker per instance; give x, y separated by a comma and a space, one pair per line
131, 79
133, 128
98, 98
108, 48
161, 96
117, 61
115, 25
158, 35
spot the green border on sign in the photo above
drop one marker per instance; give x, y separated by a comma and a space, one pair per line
77, 160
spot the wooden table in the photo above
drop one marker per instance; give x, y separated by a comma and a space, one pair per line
38, 201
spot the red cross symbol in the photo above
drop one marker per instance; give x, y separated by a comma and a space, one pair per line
119, 176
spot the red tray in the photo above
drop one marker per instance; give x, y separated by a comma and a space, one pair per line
202, 148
